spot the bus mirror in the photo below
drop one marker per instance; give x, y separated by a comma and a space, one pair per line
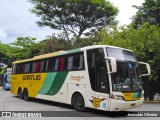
112, 64
147, 67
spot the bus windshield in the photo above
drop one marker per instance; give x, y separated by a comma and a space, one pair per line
127, 76
121, 54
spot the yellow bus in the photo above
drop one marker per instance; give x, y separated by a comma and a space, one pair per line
101, 77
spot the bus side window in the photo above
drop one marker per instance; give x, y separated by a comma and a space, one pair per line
30, 68
56, 64
41, 66
37, 68
33, 67
70, 63
14, 68
27, 66
17, 69
61, 66
51, 65
81, 62
46, 66
76, 60
22, 68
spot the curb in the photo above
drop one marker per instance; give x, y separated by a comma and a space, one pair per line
152, 101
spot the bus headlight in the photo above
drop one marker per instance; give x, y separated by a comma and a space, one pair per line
117, 97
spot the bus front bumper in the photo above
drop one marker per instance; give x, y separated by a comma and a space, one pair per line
120, 105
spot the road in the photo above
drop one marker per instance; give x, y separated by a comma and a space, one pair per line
10, 102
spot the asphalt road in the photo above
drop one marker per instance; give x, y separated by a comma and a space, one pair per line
10, 102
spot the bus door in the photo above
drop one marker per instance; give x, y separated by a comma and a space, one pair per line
99, 94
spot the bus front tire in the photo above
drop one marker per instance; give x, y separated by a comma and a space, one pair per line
20, 94
25, 94
78, 102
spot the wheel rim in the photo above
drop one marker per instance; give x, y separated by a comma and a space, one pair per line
79, 102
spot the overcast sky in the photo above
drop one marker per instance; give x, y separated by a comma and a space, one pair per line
17, 21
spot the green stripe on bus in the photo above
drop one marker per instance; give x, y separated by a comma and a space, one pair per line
57, 83
69, 52
50, 77
137, 95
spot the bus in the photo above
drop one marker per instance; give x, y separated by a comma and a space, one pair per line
6, 79
101, 77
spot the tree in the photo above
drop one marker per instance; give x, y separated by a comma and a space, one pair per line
53, 44
148, 12
4, 53
22, 46
82, 42
145, 42
74, 16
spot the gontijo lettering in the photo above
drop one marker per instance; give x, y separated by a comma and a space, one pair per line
31, 77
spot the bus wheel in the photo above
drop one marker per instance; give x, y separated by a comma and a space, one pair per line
25, 94
78, 102
20, 94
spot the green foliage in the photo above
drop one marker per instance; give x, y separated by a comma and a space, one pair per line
144, 41
4, 53
24, 42
82, 42
53, 44
74, 16
148, 12
21, 47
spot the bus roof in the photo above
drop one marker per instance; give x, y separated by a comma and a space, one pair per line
65, 52
48, 55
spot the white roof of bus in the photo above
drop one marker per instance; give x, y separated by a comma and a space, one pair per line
97, 46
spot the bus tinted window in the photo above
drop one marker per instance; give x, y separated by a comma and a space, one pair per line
37, 68
78, 62
70, 63
42, 66
61, 66
21, 70
14, 69
33, 67
27, 67
51, 65
75, 62
46, 65
81, 62
56, 64
61, 63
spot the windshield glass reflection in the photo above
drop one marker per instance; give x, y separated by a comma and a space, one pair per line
127, 77
121, 54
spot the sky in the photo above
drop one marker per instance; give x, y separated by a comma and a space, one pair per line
17, 21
